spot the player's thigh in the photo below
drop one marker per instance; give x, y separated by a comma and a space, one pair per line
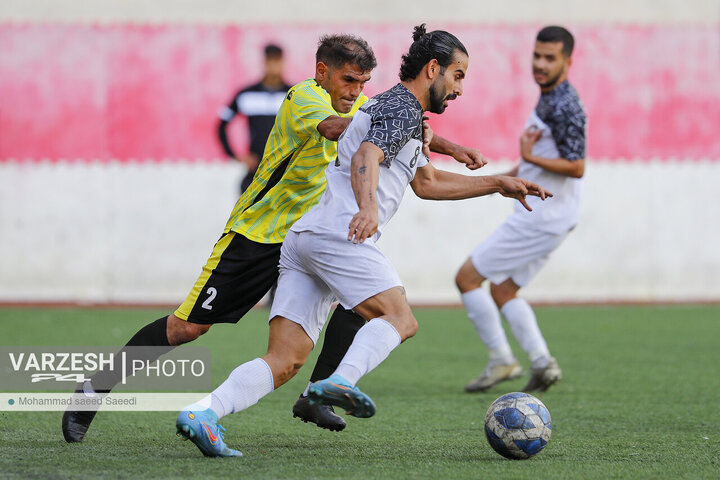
237, 275
354, 272
303, 299
537, 258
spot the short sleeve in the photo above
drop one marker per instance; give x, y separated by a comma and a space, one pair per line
390, 130
569, 130
307, 110
228, 112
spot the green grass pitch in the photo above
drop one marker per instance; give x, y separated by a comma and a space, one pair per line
640, 398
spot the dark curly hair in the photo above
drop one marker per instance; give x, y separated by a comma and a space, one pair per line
338, 50
439, 45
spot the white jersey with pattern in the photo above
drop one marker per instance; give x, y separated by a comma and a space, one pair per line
560, 116
392, 121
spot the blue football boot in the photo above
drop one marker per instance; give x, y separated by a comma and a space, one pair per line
202, 429
335, 390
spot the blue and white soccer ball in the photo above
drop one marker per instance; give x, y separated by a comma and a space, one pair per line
518, 425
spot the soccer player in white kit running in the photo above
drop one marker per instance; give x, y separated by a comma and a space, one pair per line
331, 252
553, 154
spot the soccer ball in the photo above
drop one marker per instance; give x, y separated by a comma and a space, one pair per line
517, 425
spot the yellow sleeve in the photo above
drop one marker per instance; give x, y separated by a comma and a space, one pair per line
307, 109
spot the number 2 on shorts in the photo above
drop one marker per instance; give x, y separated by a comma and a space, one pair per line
212, 292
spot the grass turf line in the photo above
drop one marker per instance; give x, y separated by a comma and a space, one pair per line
639, 399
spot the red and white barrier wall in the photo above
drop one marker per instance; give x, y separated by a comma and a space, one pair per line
151, 92
113, 186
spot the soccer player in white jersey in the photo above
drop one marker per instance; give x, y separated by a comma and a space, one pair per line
553, 154
331, 252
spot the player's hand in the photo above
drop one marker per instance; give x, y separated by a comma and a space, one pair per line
519, 188
363, 225
427, 136
528, 138
471, 157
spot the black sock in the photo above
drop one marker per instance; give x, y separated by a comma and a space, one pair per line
341, 330
151, 335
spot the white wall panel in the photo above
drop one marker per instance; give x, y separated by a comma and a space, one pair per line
140, 232
374, 11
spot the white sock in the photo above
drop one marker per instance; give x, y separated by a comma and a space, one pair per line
202, 404
372, 344
522, 321
484, 315
245, 385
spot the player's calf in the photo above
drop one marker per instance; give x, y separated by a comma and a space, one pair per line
283, 366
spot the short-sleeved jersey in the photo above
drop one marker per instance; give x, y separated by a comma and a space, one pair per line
560, 117
290, 178
392, 121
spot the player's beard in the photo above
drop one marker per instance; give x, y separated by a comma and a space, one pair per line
437, 98
551, 81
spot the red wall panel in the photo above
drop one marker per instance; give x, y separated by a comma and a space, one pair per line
152, 92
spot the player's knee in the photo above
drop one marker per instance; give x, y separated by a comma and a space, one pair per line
461, 281
467, 278
198, 330
407, 326
500, 294
181, 331
412, 327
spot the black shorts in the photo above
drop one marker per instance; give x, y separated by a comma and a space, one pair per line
237, 275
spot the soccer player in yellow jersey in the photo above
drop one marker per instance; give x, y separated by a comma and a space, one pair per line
289, 181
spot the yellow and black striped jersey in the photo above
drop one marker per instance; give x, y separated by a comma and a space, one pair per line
291, 176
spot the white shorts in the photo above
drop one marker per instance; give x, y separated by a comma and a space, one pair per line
512, 252
318, 268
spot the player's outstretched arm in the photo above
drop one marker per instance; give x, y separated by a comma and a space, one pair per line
471, 157
433, 184
364, 169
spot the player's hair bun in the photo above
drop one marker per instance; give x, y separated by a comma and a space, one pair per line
419, 32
